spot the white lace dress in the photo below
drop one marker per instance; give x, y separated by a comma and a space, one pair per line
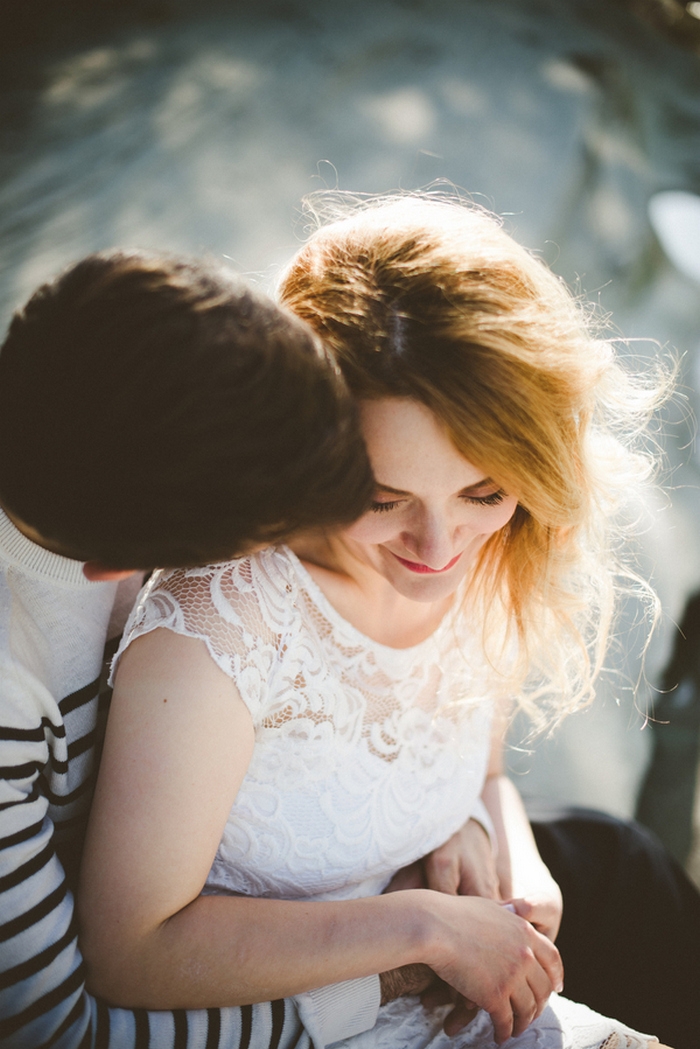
366, 758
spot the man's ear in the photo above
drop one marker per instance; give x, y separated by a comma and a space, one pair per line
96, 572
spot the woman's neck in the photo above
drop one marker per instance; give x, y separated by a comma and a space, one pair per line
363, 597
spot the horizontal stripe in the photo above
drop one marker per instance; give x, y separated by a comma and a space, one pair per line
26, 870
32, 735
213, 1028
143, 1029
78, 699
47, 1002
181, 1029
103, 1025
78, 746
40, 961
24, 771
28, 798
59, 800
21, 835
25, 921
73, 1016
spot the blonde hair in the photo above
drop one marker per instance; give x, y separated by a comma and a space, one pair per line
428, 298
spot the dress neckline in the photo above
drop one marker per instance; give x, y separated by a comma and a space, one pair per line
333, 615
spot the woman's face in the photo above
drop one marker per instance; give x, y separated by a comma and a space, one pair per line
433, 510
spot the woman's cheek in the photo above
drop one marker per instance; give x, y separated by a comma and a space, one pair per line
502, 517
371, 529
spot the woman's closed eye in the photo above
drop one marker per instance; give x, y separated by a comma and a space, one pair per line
379, 508
492, 499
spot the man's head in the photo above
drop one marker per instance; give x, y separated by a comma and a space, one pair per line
157, 411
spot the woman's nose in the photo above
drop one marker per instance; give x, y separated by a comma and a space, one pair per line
432, 541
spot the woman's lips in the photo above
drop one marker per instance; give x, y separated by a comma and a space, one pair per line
416, 566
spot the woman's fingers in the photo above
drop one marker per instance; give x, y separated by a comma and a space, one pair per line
550, 961
496, 960
543, 910
503, 1020
442, 871
528, 1001
464, 864
541, 985
525, 1007
411, 877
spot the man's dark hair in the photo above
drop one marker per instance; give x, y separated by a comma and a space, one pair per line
156, 410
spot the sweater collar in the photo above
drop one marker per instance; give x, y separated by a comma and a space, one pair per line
18, 550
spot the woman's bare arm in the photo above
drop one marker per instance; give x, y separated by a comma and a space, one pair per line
522, 874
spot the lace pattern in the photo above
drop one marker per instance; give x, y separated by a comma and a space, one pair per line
366, 757
561, 1025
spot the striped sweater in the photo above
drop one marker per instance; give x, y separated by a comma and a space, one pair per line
55, 628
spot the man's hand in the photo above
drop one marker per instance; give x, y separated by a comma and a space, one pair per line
463, 1012
409, 979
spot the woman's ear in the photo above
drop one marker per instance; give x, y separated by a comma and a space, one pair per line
96, 572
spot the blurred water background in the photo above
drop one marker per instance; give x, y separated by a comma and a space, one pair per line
199, 126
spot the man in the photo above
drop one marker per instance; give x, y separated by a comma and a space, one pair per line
153, 412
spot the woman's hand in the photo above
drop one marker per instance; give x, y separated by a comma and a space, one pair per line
464, 865
540, 902
494, 959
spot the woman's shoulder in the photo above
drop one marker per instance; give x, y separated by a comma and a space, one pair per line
270, 568
240, 609
255, 587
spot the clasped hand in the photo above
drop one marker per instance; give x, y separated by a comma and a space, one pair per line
513, 965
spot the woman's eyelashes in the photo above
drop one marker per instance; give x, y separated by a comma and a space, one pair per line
492, 499
380, 508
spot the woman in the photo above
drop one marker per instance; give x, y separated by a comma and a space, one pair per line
291, 729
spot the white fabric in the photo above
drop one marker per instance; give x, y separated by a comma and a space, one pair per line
330, 1013
366, 758
562, 1025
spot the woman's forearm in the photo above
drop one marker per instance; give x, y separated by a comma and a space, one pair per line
521, 871
517, 849
232, 951
222, 950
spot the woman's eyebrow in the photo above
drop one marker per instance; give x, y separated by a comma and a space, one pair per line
391, 491
487, 482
